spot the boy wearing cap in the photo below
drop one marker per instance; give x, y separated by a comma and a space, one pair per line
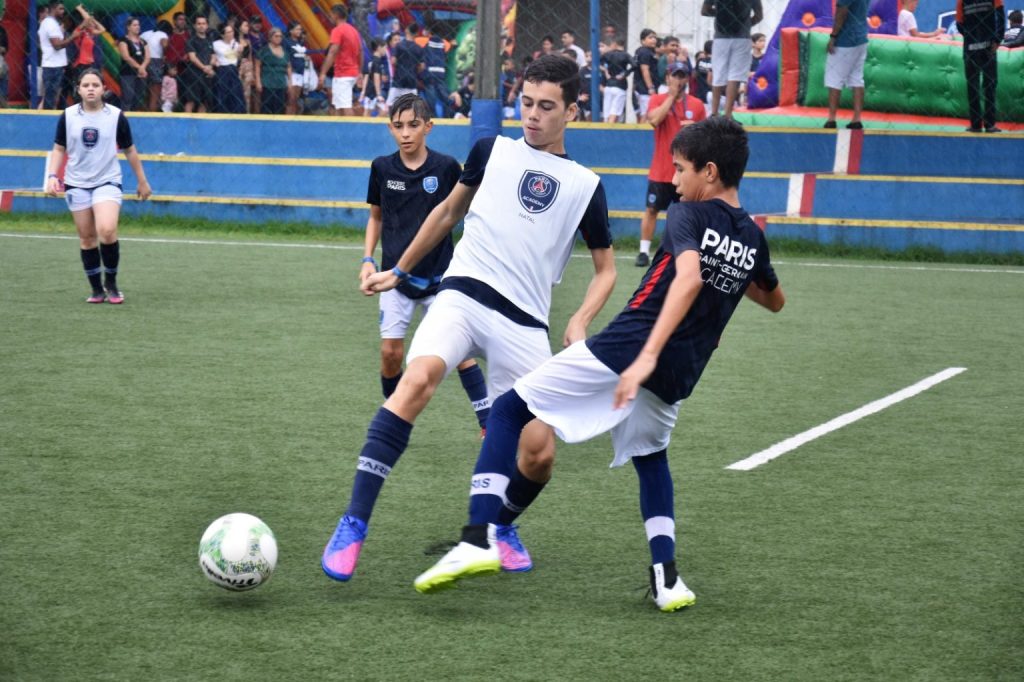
668, 113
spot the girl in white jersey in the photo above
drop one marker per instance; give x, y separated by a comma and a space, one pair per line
89, 135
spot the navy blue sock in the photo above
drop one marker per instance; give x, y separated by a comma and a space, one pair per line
91, 264
386, 440
519, 495
476, 388
497, 461
388, 384
657, 505
111, 255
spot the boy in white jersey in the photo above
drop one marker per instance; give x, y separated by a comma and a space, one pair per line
90, 134
631, 377
523, 202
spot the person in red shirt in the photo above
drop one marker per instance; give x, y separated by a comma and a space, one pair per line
85, 42
668, 113
345, 55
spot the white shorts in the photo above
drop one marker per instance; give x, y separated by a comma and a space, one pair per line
457, 328
341, 92
394, 93
613, 102
81, 199
296, 81
845, 68
396, 311
730, 60
573, 393
641, 106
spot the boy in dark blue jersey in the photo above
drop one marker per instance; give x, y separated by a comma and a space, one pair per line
404, 188
631, 377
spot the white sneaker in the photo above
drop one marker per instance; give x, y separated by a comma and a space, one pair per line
671, 598
465, 560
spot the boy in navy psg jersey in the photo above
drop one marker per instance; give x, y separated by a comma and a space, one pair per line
631, 377
523, 203
404, 188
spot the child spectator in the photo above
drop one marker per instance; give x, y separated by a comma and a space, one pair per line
157, 39
645, 62
296, 50
169, 89
906, 26
462, 99
586, 78
509, 87
1014, 36
702, 76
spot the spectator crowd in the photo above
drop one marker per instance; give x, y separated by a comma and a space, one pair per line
237, 65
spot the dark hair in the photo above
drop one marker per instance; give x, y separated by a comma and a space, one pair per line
89, 72
164, 25
548, 38
669, 39
340, 11
569, 31
719, 140
1016, 16
707, 45
554, 68
375, 44
413, 28
178, 14
647, 32
754, 37
418, 105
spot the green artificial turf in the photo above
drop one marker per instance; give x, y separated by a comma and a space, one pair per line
241, 377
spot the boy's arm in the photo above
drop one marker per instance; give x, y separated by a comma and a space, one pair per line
681, 294
438, 224
598, 291
373, 228
772, 300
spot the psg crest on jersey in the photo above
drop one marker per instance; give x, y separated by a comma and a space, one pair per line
430, 184
90, 136
537, 191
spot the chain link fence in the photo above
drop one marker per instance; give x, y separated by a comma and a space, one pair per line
877, 63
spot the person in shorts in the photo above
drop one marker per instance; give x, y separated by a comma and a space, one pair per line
524, 201
616, 65
631, 378
730, 54
844, 66
88, 136
346, 56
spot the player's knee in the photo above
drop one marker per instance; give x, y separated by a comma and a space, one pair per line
390, 360
537, 465
416, 386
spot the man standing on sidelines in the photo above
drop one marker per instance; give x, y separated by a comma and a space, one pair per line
667, 113
982, 23
730, 54
523, 202
53, 44
847, 51
346, 56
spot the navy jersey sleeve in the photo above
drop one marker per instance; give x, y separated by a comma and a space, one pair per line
373, 188
594, 227
681, 229
61, 137
124, 132
476, 163
765, 277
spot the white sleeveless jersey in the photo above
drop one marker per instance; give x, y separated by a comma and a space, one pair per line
92, 146
522, 222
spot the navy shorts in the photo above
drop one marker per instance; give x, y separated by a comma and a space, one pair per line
661, 195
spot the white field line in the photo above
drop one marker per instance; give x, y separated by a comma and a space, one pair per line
344, 247
781, 448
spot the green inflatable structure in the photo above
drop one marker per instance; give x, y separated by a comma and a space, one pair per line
911, 77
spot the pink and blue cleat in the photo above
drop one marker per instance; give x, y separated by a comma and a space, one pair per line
342, 553
96, 297
514, 557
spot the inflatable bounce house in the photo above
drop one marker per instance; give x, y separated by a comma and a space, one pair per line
907, 76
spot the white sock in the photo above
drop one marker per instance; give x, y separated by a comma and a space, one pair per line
645, 246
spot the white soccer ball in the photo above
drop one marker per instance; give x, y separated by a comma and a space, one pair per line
238, 552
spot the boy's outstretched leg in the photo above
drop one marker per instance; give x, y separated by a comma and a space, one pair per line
477, 553
658, 510
386, 440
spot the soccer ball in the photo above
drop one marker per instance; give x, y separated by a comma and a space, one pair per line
238, 552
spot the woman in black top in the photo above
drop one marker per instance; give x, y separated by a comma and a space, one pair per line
134, 62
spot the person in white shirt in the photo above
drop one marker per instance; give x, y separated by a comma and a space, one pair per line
52, 44
906, 26
227, 85
157, 40
89, 136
